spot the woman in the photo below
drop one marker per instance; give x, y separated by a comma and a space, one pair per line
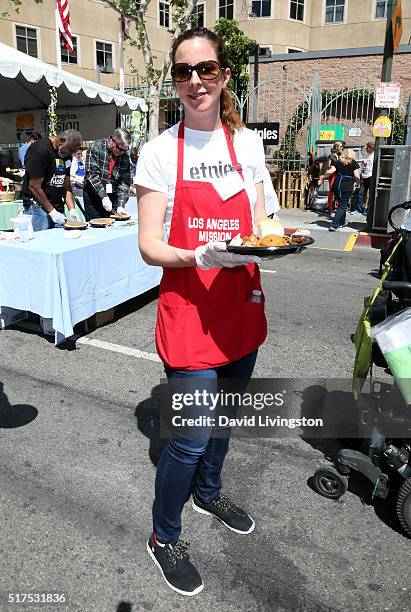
347, 173
202, 178
335, 153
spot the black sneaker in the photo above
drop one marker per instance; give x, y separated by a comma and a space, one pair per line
223, 509
173, 561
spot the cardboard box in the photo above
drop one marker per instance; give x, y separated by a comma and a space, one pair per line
99, 319
11, 316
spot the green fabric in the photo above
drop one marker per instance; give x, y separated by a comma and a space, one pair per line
80, 215
399, 362
362, 336
7, 211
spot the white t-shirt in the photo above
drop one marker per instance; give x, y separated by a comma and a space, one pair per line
368, 164
206, 158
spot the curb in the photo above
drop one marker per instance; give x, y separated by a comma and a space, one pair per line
375, 241
358, 239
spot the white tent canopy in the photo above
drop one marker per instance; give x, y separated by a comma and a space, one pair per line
25, 82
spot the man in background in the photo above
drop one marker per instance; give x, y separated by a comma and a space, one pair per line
108, 177
23, 149
367, 164
46, 185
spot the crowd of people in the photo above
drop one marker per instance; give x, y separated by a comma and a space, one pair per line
349, 182
55, 172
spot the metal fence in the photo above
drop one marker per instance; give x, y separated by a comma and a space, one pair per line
308, 108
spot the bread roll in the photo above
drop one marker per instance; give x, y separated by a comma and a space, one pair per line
267, 227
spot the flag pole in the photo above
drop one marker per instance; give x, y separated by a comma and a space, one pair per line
58, 48
121, 54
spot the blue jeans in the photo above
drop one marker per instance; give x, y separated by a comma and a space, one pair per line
191, 465
340, 213
39, 218
364, 189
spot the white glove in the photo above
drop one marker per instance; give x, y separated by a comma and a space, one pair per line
214, 255
57, 217
107, 205
121, 209
73, 214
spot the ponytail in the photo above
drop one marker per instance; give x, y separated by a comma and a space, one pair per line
228, 113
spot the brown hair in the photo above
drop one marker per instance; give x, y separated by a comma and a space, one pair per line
228, 112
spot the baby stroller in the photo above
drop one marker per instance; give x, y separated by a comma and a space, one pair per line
386, 462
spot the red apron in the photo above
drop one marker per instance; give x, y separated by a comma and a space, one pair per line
205, 317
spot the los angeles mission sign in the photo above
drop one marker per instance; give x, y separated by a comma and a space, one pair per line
269, 132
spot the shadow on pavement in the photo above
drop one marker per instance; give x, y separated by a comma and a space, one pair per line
147, 414
341, 408
124, 606
14, 416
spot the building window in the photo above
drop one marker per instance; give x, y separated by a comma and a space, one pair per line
26, 39
381, 7
104, 54
292, 50
164, 14
297, 10
264, 51
261, 8
334, 11
197, 17
226, 9
69, 57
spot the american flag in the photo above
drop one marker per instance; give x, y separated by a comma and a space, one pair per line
63, 20
125, 26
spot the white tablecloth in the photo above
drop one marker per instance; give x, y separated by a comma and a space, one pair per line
69, 280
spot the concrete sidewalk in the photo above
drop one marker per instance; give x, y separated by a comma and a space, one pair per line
345, 239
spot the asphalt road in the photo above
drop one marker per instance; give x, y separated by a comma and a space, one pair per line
79, 440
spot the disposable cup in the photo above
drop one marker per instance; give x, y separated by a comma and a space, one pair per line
22, 227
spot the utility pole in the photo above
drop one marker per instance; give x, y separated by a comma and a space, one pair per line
385, 78
255, 89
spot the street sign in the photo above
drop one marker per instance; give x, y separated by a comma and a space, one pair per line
354, 130
396, 24
382, 127
269, 132
332, 132
387, 95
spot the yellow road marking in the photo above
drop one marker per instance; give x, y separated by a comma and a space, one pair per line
350, 242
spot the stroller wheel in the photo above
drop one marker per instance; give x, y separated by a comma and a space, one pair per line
330, 483
403, 506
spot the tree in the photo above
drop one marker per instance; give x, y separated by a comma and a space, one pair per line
238, 50
136, 11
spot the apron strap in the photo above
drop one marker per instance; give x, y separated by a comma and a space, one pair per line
340, 180
180, 155
233, 156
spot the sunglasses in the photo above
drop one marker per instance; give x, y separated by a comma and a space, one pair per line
118, 146
207, 71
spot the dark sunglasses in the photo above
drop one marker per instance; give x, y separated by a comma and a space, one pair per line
117, 146
207, 71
